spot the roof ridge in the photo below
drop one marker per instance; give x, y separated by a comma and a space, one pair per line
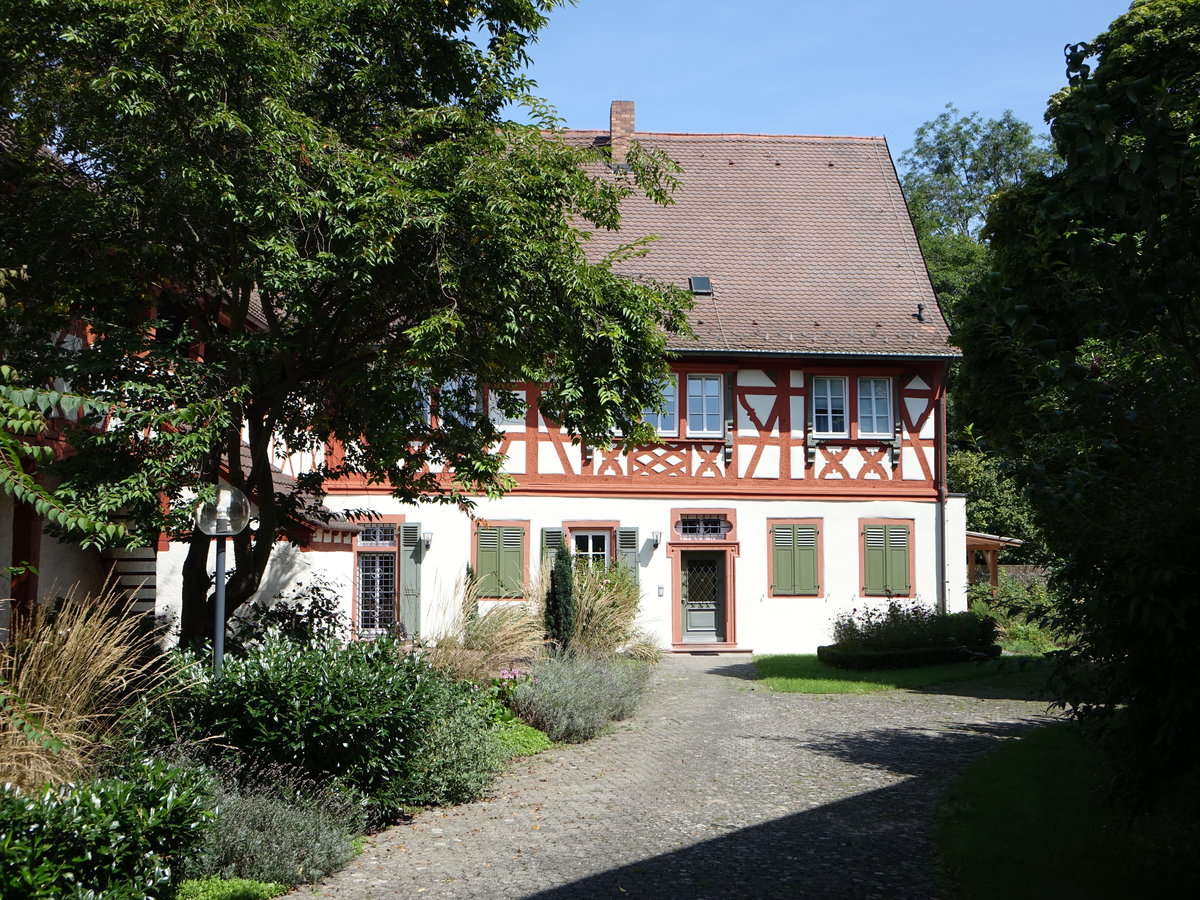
734, 134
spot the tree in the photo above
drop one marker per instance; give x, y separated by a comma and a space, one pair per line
953, 169
560, 600
318, 203
1082, 358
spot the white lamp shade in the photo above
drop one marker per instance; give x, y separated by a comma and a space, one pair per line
228, 515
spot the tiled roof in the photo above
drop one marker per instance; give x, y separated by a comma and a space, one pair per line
806, 239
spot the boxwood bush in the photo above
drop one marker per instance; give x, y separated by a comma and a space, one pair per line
377, 719
908, 625
116, 838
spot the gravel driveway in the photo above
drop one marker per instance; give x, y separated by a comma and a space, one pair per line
716, 788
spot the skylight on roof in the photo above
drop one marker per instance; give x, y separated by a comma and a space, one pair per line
700, 285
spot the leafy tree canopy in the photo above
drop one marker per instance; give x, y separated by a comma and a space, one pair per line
317, 204
1081, 358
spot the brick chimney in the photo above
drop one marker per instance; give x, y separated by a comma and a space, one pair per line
620, 130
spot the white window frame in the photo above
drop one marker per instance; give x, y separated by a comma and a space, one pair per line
669, 386
888, 411
590, 553
829, 380
500, 419
705, 432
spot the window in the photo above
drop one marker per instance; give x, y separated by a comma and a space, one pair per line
874, 406
795, 560
666, 422
703, 528
829, 406
459, 401
377, 578
497, 399
705, 399
500, 560
886, 552
388, 568
591, 546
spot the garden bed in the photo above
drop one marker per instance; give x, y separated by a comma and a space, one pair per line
843, 658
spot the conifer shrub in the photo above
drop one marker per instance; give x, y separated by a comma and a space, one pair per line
560, 600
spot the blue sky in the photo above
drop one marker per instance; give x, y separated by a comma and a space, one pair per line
858, 67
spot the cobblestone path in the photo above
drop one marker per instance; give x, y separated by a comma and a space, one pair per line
716, 788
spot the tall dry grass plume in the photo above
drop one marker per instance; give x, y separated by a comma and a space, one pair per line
67, 677
606, 607
477, 645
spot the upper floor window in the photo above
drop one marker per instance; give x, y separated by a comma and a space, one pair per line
666, 422
497, 399
829, 406
874, 406
705, 402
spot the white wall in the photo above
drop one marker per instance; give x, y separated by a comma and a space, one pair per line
764, 624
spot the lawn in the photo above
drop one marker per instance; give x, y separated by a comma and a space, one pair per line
805, 674
1031, 819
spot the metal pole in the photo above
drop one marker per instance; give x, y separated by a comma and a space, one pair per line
219, 625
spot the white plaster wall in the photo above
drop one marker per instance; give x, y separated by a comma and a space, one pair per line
764, 624
66, 568
956, 553
288, 567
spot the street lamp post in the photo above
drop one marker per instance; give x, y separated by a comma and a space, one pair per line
227, 516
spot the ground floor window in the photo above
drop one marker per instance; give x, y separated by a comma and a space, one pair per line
887, 559
500, 560
795, 558
376, 563
591, 547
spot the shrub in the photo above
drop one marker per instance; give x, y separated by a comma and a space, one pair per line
275, 825
606, 604
573, 697
228, 889
364, 713
310, 614
560, 600
475, 647
898, 626
842, 658
1020, 610
519, 739
67, 678
116, 838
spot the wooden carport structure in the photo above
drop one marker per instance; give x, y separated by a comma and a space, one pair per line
990, 546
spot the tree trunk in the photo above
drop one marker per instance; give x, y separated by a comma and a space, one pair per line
196, 611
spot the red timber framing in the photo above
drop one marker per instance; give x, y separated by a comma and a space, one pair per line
769, 451
730, 548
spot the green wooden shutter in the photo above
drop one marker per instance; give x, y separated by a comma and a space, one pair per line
512, 561
551, 541
411, 552
875, 559
627, 550
487, 561
897, 559
794, 559
805, 557
784, 561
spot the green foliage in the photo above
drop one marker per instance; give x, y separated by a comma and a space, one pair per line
996, 503
228, 889
323, 195
806, 674
573, 697
519, 739
117, 837
1081, 358
310, 614
909, 626
380, 721
274, 825
1021, 611
1037, 802
957, 164
560, 600
607, 600
908, 658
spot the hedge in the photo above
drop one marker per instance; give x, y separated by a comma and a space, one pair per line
833, 655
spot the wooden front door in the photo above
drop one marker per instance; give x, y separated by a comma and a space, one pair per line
702, 585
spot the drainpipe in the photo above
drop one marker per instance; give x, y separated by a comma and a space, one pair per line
940, 521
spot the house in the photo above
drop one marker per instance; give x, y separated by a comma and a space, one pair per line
801, 467
800, 471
